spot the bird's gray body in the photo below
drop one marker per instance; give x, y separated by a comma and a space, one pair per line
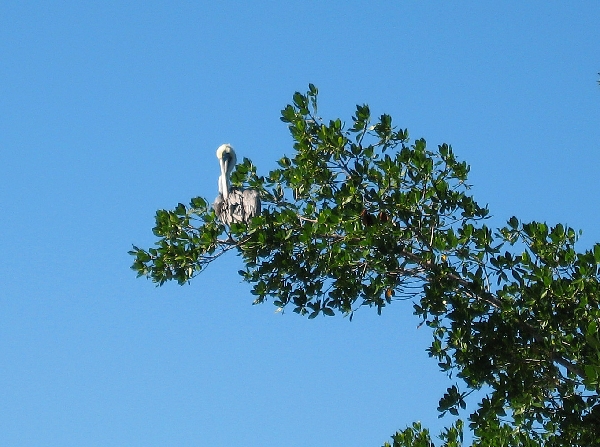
241, 205
233, 205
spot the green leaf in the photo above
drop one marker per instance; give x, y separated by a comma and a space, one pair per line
328, 311
597, 253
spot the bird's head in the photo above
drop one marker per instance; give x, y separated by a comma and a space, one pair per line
225, 153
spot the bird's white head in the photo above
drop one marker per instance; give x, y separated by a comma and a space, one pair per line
226, 153
227, 160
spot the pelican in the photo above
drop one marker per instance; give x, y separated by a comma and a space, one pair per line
232, 204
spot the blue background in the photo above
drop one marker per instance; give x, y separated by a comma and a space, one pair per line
111, 110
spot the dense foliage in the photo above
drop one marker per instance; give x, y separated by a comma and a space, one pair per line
361, 216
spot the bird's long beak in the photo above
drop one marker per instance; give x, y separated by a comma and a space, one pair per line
224, 166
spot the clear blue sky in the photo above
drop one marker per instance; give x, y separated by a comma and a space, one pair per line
110, 110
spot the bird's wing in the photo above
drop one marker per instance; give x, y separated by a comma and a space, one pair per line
251, 201
218, 205
235, 205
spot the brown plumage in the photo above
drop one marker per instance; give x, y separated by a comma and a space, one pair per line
367, 218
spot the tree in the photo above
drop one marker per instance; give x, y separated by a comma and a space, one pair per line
361, 216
